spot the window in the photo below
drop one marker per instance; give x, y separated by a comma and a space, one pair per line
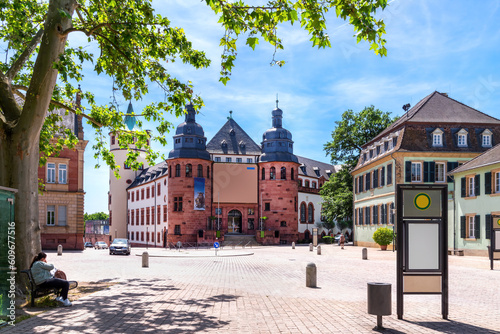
386, 146
61, 215
239, 160
137, 216
375, 178
283, 224
218, 211
63, 173
158, 214
272, 174
251, 211
177, 229
292, 177
486, 138
132, 217
147, 216
367, 216
416, 172
378, 150
228, 159
440, 171
375, 214
158, 192
142, 236
314, 185
164, 213
307, 184
462, 138
249, 160
112, 140
142, 193
437, 138
177, 170
147, 192
217, 159
394, 141
267, 206
470, 186
126, 166
310, 213
208, 172
51, 173
471, 227
251, 224
497, 182
263, 174
177, 204
133, 193
360, 219
189, 170
283, 173
51, 215
303, 212
200, 171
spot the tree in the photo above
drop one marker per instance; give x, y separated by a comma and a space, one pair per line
41, 70
351, 132
95, 216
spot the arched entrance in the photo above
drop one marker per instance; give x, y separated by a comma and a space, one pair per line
234, 221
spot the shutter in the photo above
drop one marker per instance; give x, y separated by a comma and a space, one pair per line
382, 177
450, 166
488, 226
426, 171
432, 171
375, 178
463, 188
477, 185
462, 227
389, 174
368, 177
477, 227
487, 183
384, 215
375, 214
408, 171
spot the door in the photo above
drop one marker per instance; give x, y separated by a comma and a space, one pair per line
234, 221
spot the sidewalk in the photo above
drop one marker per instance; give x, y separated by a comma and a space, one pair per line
263, 293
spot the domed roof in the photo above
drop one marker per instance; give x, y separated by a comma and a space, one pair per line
277, 143
189, 126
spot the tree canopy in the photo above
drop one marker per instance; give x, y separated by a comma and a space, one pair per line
349, 135
95, 216
41, 71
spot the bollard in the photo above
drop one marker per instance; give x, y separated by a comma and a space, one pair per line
311, 275
379, 301
293, 245
311, 247
145, 260
364, 251
59, 250
319, 249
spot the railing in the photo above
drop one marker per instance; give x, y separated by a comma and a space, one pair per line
308, 190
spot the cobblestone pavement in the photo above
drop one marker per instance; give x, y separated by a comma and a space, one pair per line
262, 292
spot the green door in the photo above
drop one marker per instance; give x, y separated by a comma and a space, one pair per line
6, 216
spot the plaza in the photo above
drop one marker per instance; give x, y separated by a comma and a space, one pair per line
260, 290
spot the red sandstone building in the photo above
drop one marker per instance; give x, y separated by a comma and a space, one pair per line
229, 186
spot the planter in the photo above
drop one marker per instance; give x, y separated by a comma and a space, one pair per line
383, 247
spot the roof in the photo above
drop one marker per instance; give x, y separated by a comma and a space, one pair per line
439, 108
490, 157
232, 139
150, 174
313, 168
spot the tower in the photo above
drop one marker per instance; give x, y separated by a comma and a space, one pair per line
278, 188
117, 195
189, 182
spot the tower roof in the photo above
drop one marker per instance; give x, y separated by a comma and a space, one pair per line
232, 139
277, 143
130, 120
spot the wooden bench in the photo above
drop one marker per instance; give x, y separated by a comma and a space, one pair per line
36, 291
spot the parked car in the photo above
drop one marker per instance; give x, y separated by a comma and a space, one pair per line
88, 245
101, 245
119, 246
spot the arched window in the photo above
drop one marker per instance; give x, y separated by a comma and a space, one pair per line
189, 170
169, 171
307, 184
283, 173
208, 172
303, 212
314, 185
263, 173
292, 176
272, 174
300, 182
200, 171
177, 170
310, 213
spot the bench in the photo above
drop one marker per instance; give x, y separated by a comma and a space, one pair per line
36, 291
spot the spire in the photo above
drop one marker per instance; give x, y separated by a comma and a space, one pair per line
130, 118
277, 101
230, 114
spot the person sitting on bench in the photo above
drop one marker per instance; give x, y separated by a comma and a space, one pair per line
42, 276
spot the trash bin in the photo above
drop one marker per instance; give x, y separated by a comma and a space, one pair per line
379, 300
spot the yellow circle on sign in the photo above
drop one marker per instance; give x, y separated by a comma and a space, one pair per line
422, 201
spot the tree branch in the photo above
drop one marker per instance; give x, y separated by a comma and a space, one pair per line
9, 109
19, 63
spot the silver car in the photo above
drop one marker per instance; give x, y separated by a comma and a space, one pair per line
101, 245
119, 246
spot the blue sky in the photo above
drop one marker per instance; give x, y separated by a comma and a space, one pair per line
448, 46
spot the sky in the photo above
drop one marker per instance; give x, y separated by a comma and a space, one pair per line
449, 46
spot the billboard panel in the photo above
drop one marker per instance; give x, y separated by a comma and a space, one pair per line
235, 183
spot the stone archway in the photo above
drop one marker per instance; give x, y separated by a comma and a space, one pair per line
234, 221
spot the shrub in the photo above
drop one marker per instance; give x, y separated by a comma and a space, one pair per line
383, 236
327, 239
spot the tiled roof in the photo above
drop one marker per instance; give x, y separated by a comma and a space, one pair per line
438, 108
490, 157
232, 139
150, 174
313, 168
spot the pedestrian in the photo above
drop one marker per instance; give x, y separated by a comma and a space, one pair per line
41, 271
342, 241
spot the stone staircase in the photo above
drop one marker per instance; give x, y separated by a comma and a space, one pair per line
240, 240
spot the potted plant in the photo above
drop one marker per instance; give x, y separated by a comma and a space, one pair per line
383, 236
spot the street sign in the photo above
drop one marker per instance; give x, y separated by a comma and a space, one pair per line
216, 244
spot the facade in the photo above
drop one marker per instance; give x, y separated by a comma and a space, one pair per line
97, 230
431, 139
61, 205
229, 185
477, 201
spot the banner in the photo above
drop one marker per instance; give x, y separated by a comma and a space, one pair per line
199, 193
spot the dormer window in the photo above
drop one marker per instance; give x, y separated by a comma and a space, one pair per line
486, 138
371, 154
437, 138
223, 144
462, 138
242, 144
378, 150
231, 132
